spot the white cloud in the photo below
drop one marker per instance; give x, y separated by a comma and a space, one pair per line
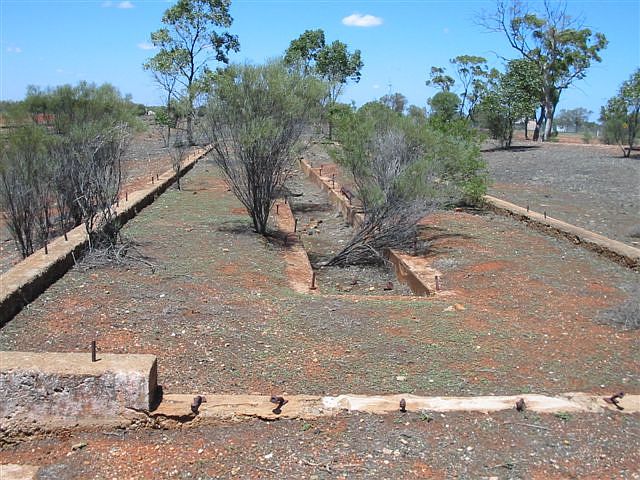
107, 4
14, 50
125, 4
359, 20
146, 46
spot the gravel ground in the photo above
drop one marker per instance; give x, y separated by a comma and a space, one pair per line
504, 445
589, 186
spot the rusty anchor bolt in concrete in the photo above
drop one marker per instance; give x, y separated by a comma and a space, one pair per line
313, 281
614, 399
197, 401
280, 401
437, 283
520, 405
93, 351
403, 405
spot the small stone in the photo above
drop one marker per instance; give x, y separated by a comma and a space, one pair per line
200, 450
387, 451
78, 446
459, 307
268, 456
401, 378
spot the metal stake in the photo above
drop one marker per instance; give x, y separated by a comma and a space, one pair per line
277, 208
93, 351
313, 281
295, 225
545, 214
126, 196
437, 283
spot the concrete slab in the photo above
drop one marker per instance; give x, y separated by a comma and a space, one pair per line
63, 387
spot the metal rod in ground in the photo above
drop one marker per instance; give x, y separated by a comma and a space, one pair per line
126, 196
437, 283
313, 281
46, 247
295, 225
545, 214
93, 351
277, 208
527, 208
320, 172
152, 180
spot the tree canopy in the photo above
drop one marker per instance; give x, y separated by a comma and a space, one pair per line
556, 43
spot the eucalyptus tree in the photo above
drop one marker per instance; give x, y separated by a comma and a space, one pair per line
560, 47
621, 115
188, 43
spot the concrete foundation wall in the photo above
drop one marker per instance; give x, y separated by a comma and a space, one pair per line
69, 386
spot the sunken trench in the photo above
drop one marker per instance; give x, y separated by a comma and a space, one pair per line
323, 231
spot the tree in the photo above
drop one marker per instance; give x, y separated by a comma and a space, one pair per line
573, 119
556, 43
164, 72
303, 51
254, 119
439, 79
332, 63
471, 71
403, 169
188, 43
396, 102
621, 115
510, 97
444, 105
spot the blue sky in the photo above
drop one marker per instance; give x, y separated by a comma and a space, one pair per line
53, 42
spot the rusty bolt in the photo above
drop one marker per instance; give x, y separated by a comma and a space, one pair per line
520, 406
280, 401
197, 401
403, 405
615, 399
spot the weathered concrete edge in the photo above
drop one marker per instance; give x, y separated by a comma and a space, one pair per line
404, 272
613, 249
178, 406
285, 222
23, 283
